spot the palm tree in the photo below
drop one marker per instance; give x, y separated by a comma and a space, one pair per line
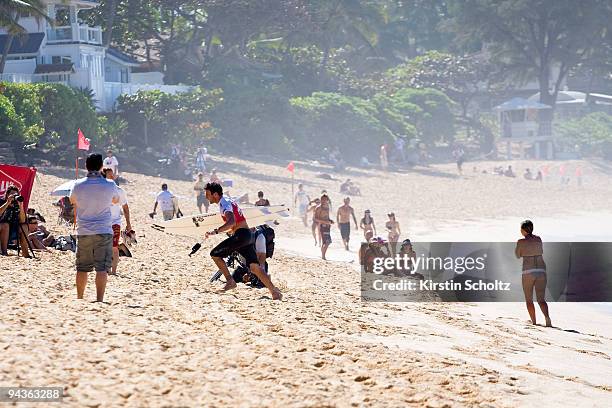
10, 11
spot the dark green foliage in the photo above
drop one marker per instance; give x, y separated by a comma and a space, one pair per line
180, 118
11, 125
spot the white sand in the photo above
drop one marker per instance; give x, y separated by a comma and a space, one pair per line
167, 339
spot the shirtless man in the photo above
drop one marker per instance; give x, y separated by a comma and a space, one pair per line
321, 217
240, 240
343, 217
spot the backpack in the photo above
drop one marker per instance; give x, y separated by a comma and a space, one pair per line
269, 234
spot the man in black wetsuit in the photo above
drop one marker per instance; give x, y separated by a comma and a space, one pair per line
240, 240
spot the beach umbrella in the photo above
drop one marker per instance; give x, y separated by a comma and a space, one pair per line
63, 189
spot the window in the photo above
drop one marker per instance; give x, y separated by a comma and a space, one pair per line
24, 14
124, 75
61, 59
62, 15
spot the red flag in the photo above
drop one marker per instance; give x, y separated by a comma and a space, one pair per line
291, 167
83, 142
20, 177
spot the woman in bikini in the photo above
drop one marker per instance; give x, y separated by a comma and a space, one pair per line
534, 270
393, 228
368, 226
394, 231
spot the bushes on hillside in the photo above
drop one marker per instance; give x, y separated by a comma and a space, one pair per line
330, 120
592, 133
182, 117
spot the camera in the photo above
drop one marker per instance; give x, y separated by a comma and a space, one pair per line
19, 198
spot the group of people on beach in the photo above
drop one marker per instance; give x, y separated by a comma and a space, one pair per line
321, 210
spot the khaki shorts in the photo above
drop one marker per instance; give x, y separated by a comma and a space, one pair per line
94, 252
168, 215
535, 280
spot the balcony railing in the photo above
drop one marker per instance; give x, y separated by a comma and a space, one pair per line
29, 78
74, 33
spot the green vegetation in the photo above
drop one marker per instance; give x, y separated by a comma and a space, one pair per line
593, 132
296, 76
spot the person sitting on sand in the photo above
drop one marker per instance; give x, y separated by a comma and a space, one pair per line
38, 235
368, 226
509, 172
261, 201
528, 175
239, 241
538, 176
343, 217
321, 216
534, 270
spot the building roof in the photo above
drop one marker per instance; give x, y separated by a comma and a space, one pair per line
55, 69
520, 103
121, 57
564, 97
23, 44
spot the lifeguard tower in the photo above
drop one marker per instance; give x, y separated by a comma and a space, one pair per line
527, 123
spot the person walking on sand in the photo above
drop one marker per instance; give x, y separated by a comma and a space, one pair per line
314, 227
384, 160
302, 201
321, 216
167, 203
343, 217
534, 270
92, 198
198, 187
393, 230
368, 226
239, 241
116, 210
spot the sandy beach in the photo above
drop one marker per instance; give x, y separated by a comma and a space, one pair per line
166, 338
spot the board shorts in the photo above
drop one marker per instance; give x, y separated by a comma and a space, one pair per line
202, 201
345, 230
325, 231
242, 242
94, 252
168, 215
116, 235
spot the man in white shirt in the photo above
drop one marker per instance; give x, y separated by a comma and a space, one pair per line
302, 200
111, 163
116, 210
167, 203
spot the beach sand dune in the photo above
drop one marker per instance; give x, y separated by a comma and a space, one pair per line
165, 337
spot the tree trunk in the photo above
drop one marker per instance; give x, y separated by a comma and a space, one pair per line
7, 47
110, 20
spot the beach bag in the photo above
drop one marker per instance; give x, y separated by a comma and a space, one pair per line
65, 243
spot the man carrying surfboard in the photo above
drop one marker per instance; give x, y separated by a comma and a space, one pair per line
239, 240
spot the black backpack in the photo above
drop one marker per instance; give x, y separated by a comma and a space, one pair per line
269, 234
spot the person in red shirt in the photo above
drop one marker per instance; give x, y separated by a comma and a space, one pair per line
239, 241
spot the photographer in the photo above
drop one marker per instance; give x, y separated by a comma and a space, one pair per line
12, 218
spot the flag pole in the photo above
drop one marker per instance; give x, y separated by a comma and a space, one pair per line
292, 193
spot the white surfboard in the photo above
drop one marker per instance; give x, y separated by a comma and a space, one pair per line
196, 225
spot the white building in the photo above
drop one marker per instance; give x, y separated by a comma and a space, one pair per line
71, 52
